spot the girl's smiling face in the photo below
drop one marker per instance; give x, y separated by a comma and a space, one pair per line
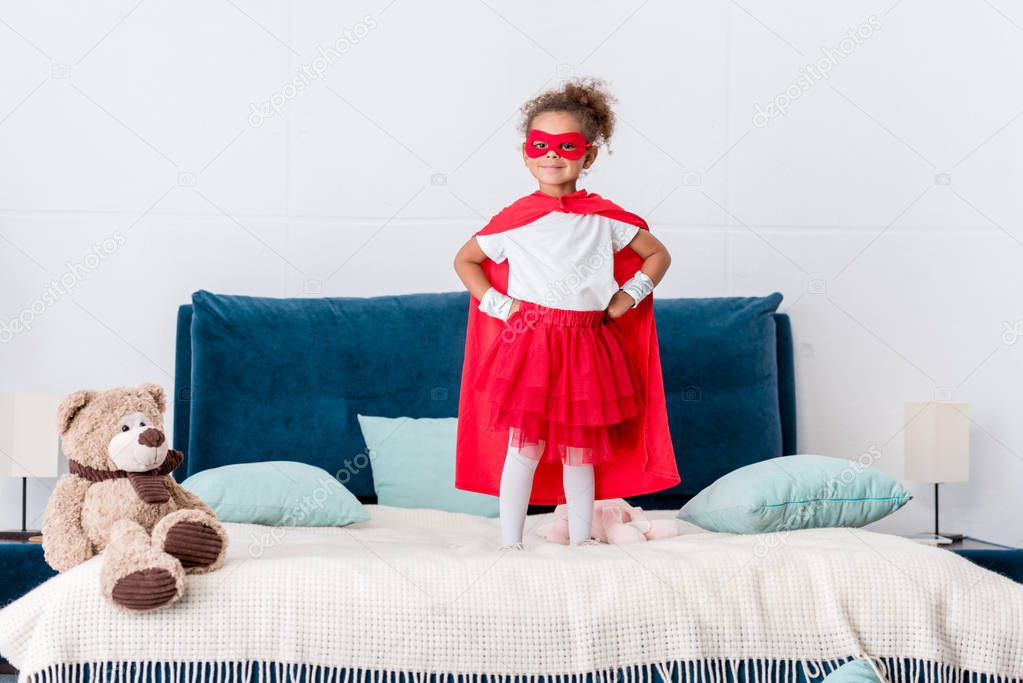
551, 169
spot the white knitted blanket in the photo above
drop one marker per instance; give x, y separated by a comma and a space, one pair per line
419, 591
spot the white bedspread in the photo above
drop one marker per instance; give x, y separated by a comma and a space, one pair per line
427, 591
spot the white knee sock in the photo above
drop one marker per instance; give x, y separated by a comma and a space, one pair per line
516, 485
578, 483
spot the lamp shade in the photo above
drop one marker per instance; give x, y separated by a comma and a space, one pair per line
937, 441
29, 445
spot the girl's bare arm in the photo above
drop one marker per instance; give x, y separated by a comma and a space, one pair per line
467, 265
656, 258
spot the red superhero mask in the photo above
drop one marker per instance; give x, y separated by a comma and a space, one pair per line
568, 145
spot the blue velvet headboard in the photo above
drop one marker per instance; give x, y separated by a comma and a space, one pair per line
282, 379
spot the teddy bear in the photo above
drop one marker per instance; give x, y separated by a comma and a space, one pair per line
118, 500
614, 521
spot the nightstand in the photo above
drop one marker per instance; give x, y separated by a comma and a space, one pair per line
22, 568
1002, 559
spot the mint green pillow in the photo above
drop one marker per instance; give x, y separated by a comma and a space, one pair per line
413, 463
856, 671
276, 493
795, 492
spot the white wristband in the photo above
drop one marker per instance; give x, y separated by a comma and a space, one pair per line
495, 304
638, 286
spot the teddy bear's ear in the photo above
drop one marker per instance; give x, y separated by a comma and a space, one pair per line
156, 391
70, 406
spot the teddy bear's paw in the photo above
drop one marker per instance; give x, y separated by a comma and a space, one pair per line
146, 589
195, 538
194, 543
137, 575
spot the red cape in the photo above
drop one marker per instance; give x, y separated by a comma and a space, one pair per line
645, 458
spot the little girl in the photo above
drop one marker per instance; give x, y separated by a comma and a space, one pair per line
562, 397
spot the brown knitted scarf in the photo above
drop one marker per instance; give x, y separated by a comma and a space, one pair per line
148, 485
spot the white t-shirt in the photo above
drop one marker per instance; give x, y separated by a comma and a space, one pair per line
562, 260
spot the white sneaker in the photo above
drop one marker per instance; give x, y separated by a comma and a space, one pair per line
592, 541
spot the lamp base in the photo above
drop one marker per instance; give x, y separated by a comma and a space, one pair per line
948, 538
929, 538
21, 536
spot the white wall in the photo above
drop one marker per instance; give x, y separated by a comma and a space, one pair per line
132, 122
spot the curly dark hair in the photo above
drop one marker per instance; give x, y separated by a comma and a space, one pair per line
586, 98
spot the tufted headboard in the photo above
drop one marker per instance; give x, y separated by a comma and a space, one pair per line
282, 379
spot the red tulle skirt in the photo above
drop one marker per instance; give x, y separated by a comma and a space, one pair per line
559, 380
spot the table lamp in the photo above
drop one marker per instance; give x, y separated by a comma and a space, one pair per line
938, 450
29, 445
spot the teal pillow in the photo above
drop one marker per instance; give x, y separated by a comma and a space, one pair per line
413, 462
795, 492
276, 493
856, 671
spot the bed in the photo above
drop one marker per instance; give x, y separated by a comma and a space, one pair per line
423, 595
